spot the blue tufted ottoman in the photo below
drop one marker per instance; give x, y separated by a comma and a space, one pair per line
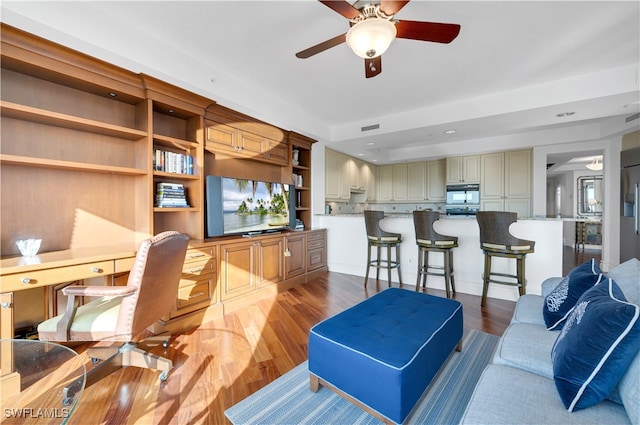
382, 353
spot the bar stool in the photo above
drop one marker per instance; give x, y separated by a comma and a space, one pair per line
497, 241
428, 240
378, 238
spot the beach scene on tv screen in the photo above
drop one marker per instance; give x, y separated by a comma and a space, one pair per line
254, 206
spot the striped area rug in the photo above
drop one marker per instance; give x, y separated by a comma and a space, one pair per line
288, 399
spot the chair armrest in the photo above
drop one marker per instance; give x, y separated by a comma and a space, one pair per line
99, 291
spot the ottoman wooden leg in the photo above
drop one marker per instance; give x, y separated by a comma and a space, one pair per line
314, 383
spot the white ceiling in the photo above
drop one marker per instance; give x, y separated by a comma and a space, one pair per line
512, 69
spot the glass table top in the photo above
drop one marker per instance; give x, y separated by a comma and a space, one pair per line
40, 382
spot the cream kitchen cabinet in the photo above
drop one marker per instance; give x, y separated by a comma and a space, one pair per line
417, 181
506, 182
463, 169
436, 181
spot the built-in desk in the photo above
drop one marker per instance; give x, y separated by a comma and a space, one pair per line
52, 268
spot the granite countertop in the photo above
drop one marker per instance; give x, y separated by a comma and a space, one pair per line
468, 217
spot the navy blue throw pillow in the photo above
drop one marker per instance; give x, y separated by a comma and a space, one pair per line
599, 341
559, 303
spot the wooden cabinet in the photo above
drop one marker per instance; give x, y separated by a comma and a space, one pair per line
316, 250
333, 175
302, 145
198, 285
399, 182
237, 268
463, 169
345, 176
226, 139
294, 255
270, 258
506, 182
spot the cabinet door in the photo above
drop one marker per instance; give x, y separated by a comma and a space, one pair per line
368, 180
237, 269
295, 264
471, 169
492, 205
345, 177
270, 268
521, 206
436, 180
275, 152
417, 181
250, 144
385, 183
454, 169
517, 174
492, 179
351, 172
222, 137
333, 173
399, 182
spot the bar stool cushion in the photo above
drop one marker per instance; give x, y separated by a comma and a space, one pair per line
490, 246
559, 303
436, 243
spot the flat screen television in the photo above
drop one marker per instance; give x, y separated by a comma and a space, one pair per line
237, 206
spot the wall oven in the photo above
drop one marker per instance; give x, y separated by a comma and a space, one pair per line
463, 199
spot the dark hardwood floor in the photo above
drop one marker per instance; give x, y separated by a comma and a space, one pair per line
573, 257
223, 361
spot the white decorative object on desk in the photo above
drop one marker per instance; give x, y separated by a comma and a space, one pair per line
29, 247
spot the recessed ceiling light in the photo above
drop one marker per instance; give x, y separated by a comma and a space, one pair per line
632, 103
360, 154
565, 114
374, 160
371, 143
449, 131
112, 94
171, 111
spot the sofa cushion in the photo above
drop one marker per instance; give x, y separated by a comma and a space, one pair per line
505, 395
598, 342
627, 276
559, 303
629, 390
528, 347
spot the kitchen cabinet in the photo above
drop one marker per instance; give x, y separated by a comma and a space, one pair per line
333, 175
417, 181
506, 182
368, 180
385, 183
436, 181
400, 187
463, 169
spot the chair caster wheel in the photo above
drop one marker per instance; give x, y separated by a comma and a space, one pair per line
66, 401
164, 375
165, 343
94, 360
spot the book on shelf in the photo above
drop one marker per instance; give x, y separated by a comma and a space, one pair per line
171, 195
171, 162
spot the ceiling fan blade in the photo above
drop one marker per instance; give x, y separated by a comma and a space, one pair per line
390, 7
321, 47
372, 67
342, 7
427, 31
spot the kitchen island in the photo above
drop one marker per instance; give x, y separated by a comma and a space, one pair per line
347, 251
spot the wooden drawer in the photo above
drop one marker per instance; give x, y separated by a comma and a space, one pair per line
315, 244
199, 268
315, 259
39, 278
198, 254
195, 293
315, 235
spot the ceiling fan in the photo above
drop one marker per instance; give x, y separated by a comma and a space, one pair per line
373, 29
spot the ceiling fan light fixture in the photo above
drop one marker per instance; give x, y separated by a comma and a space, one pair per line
371, 37
595, 165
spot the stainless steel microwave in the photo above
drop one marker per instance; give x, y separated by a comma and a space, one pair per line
463, 194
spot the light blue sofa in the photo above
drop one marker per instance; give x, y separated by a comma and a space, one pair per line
518, 386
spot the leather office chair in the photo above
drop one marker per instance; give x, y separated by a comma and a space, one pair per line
428, 240
497, 241
123, 313
378, 238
